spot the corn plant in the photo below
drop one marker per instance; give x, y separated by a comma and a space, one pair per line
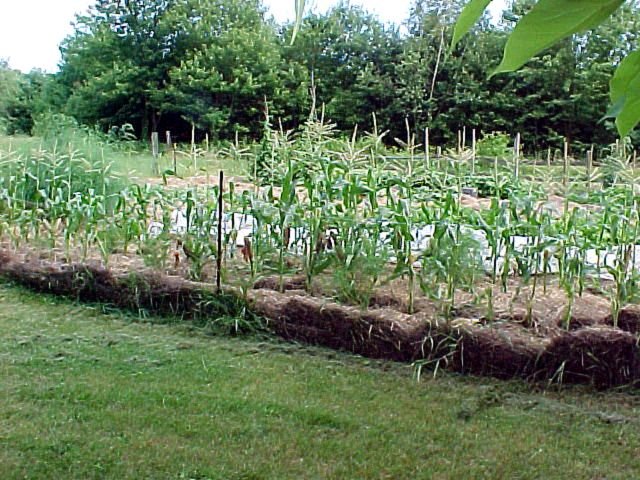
314, 216
285, 203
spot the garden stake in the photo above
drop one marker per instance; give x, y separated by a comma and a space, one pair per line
219, 232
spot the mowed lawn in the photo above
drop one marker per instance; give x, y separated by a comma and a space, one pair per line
84, 394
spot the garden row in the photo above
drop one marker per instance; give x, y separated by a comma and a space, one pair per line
600, 355
356, 227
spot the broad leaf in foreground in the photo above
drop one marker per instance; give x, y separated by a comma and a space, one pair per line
550, 21
299, 13
625, 93
468, 17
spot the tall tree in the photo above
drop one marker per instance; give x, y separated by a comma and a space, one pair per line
10, 86
434, 88
349, 55
119, 61
226, 85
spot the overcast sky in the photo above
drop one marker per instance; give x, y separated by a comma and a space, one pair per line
31, 30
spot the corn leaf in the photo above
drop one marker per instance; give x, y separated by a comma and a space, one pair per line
625, 93
550, 21
468, 17
299, 4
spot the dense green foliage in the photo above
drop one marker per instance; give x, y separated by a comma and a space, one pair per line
25, 97
224, 66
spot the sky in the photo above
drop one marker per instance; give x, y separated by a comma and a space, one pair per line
31, 30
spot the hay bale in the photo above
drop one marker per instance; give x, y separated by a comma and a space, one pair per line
166, 295
383, 298
267, 303
5, 258
497, 352
272, 282
382, 333
81, 282
156, 293
602, 356
628, 319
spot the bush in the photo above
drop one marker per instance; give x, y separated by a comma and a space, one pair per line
495, 144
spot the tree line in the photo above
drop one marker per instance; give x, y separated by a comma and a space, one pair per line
225, 67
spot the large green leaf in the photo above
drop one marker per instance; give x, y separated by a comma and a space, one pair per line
299, 13
550, 21
625, 93
468, 17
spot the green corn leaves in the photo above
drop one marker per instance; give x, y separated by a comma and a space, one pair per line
625, 93
299, 4
550, 21
469, 15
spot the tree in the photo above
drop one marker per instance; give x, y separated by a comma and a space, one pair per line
223, 86
349, 56
10, 86
121, 58
23, 97
443, 90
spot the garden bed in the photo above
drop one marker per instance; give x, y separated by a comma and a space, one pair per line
511, 345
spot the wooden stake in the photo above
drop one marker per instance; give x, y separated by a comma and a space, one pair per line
427, 160
406, 126
549, 157
220, 225
206, 141
459, 142
516, 154
589, 168
193, 146
155, 151
175, 161
473, 151
565, 172
169, 141
464, 137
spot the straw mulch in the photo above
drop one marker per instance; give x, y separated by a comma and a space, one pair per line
596, 354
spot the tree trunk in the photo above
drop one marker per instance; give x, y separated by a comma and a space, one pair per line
144, 127
155, 120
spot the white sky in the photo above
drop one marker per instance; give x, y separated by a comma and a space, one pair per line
31, 30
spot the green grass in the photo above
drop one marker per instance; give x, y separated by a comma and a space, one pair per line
208, 163
18, 142
90, 395
135, 164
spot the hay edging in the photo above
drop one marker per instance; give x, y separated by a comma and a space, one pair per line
602, 356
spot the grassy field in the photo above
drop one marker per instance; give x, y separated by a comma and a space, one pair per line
135, 163
84, 394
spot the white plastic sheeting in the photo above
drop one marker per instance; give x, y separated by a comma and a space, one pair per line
241, 226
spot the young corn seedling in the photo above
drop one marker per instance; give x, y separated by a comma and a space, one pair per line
316, 259
286, 204
402, 236
624, 271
